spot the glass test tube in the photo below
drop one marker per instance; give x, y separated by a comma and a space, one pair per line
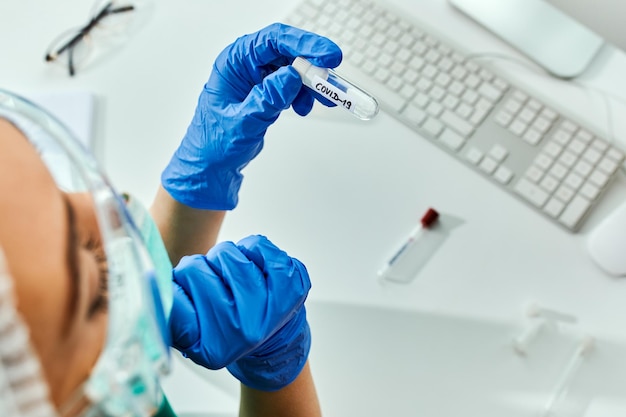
337, 89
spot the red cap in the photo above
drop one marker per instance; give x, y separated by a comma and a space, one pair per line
430, 217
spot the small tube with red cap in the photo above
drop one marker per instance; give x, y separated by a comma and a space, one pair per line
413, 254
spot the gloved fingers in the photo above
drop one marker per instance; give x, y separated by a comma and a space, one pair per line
303, 103
240, 276
278, 361
226, 295
280, 44
183, 321
254, 56
287, 277
262, 106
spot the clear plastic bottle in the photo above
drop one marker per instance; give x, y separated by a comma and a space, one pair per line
336, 89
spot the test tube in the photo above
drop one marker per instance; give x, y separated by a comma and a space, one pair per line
407, 261
337, 89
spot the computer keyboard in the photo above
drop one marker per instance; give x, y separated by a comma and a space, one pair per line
523, 144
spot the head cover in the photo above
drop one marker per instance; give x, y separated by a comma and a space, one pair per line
125, 379
23, 393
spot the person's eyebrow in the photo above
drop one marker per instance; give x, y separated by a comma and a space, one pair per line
71, 260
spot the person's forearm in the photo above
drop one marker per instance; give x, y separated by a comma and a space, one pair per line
298, 399
185, 230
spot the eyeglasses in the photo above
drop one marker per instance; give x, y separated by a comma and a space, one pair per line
110, 18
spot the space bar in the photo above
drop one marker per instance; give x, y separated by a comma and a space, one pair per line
383, 94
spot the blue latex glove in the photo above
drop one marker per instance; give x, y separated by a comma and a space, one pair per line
243, 301
278, 361
251, 83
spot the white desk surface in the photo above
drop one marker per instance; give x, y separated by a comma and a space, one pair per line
338, 193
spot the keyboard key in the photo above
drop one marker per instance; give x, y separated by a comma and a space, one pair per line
457, 123
434, 109
534, 105
574, 180
532, 136
478, 116
451, 102
583, 168
549, 114
564, 193
590, 191
542, 124
576, 147
527, 116
553, 149
599, 178
504, 118
562, 137
424, 85
457, 88
584, 136
543, 161
414, 115
549, 183
592, 156
433, 126
513, 106
452, 139
575, 211
568, 159
470, 96
554, 207
616, 155
569, 126
518, 127
558, 171
534, 173
488, 165
520, 96
489, 92
498, 152
472, 81
408, 91
531, 192
608, 165
421, 100
464, 110
503, 175
600, 145
458, 73
437, 93
474, 155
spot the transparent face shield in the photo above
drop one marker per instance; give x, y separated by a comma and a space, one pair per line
125, 379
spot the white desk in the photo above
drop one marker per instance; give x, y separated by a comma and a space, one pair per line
341, 194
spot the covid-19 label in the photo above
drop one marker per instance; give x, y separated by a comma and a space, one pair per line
332, 93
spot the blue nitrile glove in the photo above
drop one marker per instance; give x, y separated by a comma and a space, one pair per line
278, 361
251, 83
230, 302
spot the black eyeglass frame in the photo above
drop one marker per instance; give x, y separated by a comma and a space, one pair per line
84, 31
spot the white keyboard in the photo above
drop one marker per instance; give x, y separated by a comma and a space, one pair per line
524, 145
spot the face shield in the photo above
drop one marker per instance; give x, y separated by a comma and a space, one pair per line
125, 379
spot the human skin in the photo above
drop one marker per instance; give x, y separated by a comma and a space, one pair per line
35, 244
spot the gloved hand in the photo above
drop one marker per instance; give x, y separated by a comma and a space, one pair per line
243, 302
279, 360
251, 83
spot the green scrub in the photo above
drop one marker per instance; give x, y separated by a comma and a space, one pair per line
162, 264
165, 410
